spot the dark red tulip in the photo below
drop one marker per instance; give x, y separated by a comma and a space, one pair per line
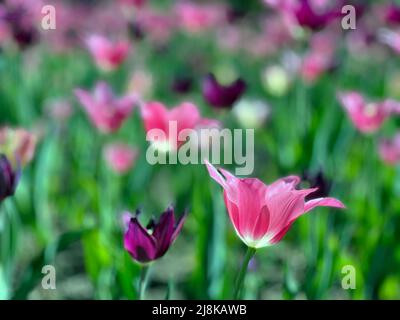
220, 96
8, 178
145, 246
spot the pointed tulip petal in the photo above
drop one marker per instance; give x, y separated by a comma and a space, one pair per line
139, 243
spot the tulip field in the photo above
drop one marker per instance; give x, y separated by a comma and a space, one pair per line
114, 185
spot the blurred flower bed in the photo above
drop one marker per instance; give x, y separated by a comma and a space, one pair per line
77, 191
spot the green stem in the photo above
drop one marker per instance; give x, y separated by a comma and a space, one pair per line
144, 273
242, 273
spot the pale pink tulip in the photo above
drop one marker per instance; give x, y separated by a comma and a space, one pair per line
172, 122
262, 214
107, 54
389, 150
367, 116
105, 110
120, 157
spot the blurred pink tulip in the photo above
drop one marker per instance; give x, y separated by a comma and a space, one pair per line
105, 110
194, 17
108, 55
185, 116
366, 116
262, 214
157, 26
120, 157
320, 58
18, 145
389, 150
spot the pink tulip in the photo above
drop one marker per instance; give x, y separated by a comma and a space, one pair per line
120, 157
108, 55
320, 58
196, 17
366, 116
157, 26
105, 110
389, 150
185, 116
262, 214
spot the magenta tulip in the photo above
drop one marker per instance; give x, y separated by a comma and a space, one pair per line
222, 96
148, 244
9, 178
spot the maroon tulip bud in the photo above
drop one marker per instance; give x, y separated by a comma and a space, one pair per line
145, 246
220, 96
8, 178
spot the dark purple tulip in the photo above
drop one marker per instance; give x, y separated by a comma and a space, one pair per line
320, 181
144, 246
219, 96
8, 178
392, 14
308, 17
22, 26
182, 84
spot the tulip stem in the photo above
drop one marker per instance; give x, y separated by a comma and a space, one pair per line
243, 270
144, 273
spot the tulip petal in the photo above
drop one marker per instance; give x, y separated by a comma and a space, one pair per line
178, 226
137, 241
163, 231
324, 202
155, 116
283, 185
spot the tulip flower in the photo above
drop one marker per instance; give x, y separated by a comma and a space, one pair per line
262, 214
389, 150
107, 55
172, 122
18, 144
9, 178
220, 96
251, 114
105, 110
392, 14
309, 13
196, 18
182, 84
366, 116
317, 180
120, 157
151, 243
